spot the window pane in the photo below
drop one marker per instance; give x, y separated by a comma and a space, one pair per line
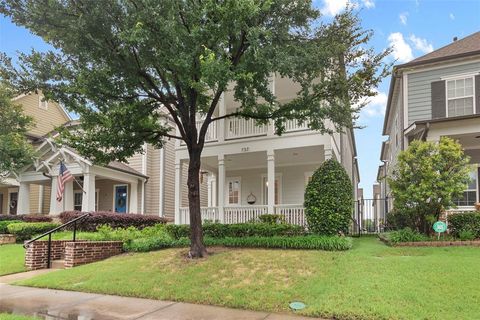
468, 105
469, 86
451, 108
473, 181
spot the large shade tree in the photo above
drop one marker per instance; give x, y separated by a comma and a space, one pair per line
124, 65
15, 150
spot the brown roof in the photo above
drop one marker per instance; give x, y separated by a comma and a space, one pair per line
467, 46
120, 166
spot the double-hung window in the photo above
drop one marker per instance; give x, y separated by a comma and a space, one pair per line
460, 97
469, 196
234, 191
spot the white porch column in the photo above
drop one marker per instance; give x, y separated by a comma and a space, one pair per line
55, 206
88, 199
23, 206
271, 181
133, 205
68, 196
212, 190
178, 190
142, 187
221, 187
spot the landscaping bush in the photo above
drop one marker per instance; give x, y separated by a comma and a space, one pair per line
328, 243
272, 218
218, 230
329, 199
400, 219
26, 217
4, 224
467, 221
25, 230
114, 220
466, 235
406, 235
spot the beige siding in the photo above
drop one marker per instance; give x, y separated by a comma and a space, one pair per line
34, 196
136, 162
44, 120
152, 188
169, 178
46, 198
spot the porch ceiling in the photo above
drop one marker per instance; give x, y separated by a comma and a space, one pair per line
283, 157
469, 141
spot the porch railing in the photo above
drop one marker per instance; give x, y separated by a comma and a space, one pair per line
242, 214
240, 128
207, 213
294, 125
211, 134
293, 213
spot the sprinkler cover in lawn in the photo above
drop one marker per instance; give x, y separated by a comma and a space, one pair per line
297, 305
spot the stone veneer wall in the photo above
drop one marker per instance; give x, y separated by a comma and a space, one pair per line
82, 252
74, 253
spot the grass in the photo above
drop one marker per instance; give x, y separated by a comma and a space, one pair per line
371, 281
9, 316
12, 258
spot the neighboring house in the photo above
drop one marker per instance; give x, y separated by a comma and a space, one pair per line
251, 171
433, 96
145, 185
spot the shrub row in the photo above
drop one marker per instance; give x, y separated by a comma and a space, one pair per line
328, 243
219, 230
465, 225
406, 235
26, 217
4, 224
114, 220
25, 231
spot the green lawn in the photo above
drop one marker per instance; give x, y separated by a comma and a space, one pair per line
371, 281
12, 258
9, 316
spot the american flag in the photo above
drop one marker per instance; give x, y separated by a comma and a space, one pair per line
64, 176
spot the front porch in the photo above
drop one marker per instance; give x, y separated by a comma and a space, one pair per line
242, 187
115, 187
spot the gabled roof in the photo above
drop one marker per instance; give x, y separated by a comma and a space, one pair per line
467, 46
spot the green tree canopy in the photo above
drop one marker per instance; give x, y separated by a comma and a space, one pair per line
125, 65
427, 178
15, 150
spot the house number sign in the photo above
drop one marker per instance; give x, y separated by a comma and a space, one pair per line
245, 149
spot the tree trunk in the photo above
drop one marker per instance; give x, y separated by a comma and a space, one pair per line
197, 247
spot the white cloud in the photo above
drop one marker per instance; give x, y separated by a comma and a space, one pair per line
451, 16
421, 44
333, 7
401, 49
376, 105
403, 18
369, 4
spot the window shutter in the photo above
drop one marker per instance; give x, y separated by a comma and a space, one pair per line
439, 103
477, 94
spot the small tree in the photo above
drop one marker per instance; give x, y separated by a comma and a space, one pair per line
329, 199
124, 66
426, 179
15, 150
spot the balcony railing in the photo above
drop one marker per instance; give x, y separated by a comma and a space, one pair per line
294, 125
241, 128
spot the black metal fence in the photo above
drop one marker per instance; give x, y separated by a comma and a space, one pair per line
369, 216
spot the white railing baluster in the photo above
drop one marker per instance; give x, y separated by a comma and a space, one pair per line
240, 128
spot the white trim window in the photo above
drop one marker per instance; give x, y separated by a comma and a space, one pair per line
78, 198
470, 194
234, 191
460, 97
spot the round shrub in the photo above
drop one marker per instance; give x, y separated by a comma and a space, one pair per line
329, 199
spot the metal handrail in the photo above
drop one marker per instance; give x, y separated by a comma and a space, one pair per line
49, 234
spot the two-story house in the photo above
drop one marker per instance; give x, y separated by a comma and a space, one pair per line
144, 185
435, 95
250, 171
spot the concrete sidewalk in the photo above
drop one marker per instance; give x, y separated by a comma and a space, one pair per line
59, 304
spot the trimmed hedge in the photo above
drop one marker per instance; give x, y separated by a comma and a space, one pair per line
219, 230
464, 222
26, 217
26, 230
329, 200
5, 223
114, 220
406, 235
312, 242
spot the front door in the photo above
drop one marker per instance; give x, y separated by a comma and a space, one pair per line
121, 198
13, 203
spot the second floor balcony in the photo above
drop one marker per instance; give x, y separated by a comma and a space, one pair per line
241, 128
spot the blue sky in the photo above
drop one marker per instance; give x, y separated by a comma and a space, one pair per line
413, 28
